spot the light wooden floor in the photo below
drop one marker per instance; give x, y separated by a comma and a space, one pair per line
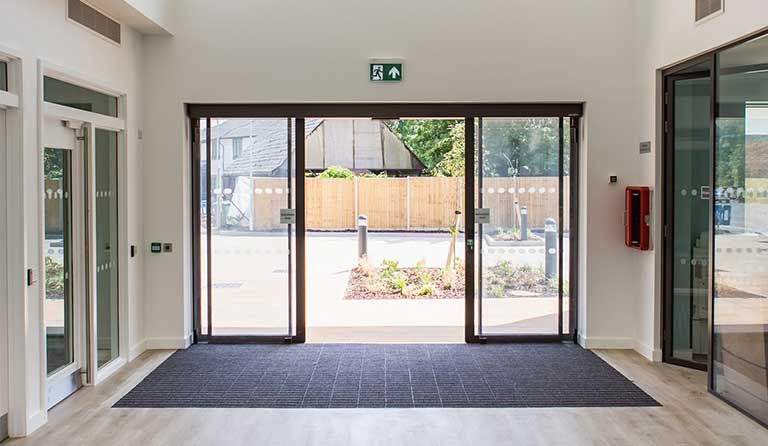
690, 416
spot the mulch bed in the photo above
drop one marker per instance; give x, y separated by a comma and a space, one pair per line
361, 287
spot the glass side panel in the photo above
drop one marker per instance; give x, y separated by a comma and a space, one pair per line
519, 187
690, 291
75, 96
250, 255
740, 324
3, 76
106, 246
57, 196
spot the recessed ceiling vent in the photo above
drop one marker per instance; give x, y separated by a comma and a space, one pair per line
93, 19
708, 8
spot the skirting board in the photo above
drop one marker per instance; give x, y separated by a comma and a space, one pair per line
620, 344
650, 353
137, 350
168, 343
34, 423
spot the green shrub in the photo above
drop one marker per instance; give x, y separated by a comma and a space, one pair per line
398, 281
336, 172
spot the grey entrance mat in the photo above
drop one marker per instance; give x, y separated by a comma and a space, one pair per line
385, 375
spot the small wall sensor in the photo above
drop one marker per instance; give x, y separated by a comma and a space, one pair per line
613, 179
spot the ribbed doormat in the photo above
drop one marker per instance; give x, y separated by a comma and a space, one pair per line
385, 375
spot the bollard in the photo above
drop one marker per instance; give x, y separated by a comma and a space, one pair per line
362, 236
524, 223
550, 248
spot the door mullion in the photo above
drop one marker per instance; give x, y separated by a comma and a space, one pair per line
301, 327
208, 224
561, 195
469, 230
289, 205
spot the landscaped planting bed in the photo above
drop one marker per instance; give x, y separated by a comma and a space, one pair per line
390, 281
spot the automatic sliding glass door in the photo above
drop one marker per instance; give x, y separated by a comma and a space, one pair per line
247, 221
522, 227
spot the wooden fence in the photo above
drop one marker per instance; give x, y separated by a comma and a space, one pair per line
402, 204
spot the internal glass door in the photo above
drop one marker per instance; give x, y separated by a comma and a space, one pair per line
247, 222
688, 214
64, 301
522, 227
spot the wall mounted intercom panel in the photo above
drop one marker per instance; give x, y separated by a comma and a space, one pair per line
637, 216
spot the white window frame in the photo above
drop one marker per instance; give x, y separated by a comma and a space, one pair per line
92, 122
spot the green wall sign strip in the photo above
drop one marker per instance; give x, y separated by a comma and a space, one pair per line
385, 72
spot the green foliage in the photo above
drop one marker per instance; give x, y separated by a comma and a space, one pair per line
389, 266
336, 172
505, 276
730, 153
54, 278
397, 281
430, 139
511, 234
521, 147
373, 175
54, 164
452, 164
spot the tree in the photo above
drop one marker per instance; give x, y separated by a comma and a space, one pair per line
511, 147
429, 139
521, 147
54, 162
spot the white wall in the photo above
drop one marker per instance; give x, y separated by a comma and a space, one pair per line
666, 35
495, 50
37, 29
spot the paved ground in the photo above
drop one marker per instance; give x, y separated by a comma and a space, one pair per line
251, 289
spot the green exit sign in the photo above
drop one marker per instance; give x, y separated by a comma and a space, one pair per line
385, 72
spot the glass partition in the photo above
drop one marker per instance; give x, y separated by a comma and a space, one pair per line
740, 313
63, 93
106, 246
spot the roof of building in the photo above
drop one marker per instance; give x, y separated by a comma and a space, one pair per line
264, 141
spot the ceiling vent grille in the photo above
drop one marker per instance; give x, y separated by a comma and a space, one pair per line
708, 8
94, 20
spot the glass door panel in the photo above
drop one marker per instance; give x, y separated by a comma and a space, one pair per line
57, 197
107, 342
740, 313
519, 237
251, 256
690, 205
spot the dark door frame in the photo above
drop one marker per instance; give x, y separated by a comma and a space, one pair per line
668, 178
466, 111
